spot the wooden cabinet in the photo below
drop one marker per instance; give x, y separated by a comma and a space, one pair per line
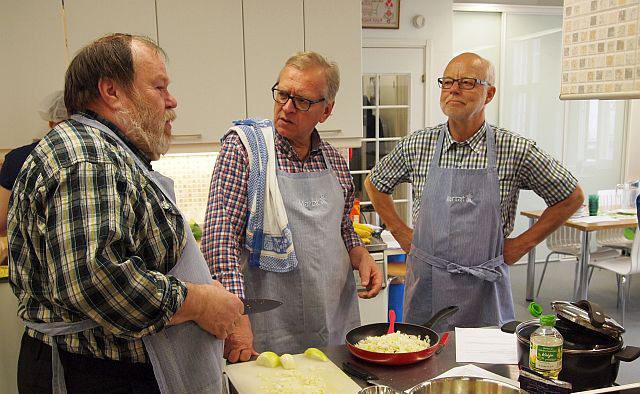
223, 57
332, 28
33, 66
90, 19
204, 44
277, 29
274, 31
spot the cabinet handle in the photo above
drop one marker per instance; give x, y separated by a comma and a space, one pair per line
175, 136
336, 131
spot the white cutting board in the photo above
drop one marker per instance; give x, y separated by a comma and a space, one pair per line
309, 377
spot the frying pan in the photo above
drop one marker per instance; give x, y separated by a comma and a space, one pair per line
378, 329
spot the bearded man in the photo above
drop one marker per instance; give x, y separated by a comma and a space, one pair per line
109, 278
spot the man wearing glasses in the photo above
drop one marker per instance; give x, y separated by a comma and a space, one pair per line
318, 292
466, 176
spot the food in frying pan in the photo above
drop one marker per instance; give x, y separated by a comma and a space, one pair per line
396, 342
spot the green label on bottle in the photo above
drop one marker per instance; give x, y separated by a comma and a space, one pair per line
549, 353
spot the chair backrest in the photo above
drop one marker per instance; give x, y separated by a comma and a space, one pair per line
563, 237
611, 236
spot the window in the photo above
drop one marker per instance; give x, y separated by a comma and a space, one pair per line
386, 114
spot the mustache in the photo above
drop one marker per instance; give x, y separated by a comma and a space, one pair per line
170, 115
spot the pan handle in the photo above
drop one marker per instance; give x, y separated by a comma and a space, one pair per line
443, 313
510, 327
358, 372
628, 354
596, 315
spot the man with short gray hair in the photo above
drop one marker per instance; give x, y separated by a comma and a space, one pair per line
310, 265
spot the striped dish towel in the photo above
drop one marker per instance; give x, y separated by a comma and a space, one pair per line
268, 236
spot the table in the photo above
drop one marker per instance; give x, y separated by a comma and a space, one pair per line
580, 290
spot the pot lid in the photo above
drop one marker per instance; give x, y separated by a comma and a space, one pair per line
588, 315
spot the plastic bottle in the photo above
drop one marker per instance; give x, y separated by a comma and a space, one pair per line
545, 351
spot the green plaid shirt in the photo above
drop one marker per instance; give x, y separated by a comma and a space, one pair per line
90, 236
521, 166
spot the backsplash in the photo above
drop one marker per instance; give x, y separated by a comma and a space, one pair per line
191, 174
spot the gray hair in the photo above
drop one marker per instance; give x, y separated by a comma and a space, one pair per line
309, 59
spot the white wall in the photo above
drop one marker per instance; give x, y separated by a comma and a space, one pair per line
438, 30
632, 167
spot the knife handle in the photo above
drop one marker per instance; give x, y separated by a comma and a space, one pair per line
357, 372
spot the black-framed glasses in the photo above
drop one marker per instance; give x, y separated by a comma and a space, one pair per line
300, 103
463, 83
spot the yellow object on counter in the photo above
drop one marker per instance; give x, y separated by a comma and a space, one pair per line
4, 271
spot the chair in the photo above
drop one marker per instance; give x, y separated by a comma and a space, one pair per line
567, 241
614, 238
623, 267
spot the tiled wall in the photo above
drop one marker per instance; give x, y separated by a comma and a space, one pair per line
191, 174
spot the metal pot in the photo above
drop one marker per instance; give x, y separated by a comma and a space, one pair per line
463, 385
593, 345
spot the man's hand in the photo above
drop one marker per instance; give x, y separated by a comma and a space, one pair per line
239, 345
404, 236
370, 275
514, 249
211, 307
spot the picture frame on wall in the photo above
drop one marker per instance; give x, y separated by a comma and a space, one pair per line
380, 14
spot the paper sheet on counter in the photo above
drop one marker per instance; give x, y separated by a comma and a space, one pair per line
486, 346
477, 372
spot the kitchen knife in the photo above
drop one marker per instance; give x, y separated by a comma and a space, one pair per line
258, 305
360, 373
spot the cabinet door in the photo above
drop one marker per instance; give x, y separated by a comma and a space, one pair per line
32, 43
273, 32
333, 28
204, 45
91, 19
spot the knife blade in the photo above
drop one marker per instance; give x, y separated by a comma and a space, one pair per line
259, 305
360, 373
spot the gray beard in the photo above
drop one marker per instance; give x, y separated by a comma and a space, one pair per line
151, 139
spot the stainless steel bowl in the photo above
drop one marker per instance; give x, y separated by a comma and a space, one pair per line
464, 385
377, 390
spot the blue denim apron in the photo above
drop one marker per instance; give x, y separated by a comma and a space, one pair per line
320, 303
185, 358
456, 252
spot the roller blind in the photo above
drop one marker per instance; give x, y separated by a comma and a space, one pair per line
600, 58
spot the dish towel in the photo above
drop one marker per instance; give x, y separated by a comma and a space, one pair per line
268, 236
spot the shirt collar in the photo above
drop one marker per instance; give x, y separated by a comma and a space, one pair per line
284, 145
475, 142
136, 151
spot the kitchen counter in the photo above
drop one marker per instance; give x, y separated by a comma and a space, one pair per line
403, 377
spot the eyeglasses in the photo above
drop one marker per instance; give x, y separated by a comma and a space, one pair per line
300, 103
463, 83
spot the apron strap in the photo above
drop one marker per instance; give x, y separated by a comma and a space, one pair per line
54, 329
485, 271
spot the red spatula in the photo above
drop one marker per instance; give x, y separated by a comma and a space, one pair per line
392, 321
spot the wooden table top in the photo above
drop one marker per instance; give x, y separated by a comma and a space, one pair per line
632, 221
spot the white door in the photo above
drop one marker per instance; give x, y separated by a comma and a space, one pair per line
393, 94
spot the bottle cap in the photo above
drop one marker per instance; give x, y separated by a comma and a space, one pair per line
535, 309
548, 320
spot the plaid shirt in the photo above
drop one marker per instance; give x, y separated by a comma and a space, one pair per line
521, 165
227, 210
91, 237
